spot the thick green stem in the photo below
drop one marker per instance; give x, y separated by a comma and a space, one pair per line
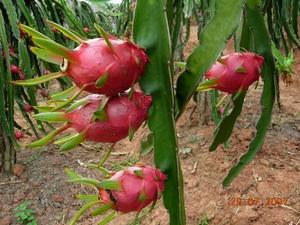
151, 31
261, 45
7, 153
7, 142
213, 40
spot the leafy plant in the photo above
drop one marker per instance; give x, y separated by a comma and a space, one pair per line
17, 61
25, 215
284, 64
204, 221
114, 18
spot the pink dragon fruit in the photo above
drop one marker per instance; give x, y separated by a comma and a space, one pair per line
234, 72
12, 51
102, 65
19, 135
120, 67
139, 186
86, 30
16, 70
110, 122
123, 116
28, 108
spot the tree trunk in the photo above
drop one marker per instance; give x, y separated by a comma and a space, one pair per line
203, 104
7, 153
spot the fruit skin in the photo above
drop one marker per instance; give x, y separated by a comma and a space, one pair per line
86, 30
16, 70
235, 71
123, 64
28, 108
139, 186
19, 135
121, 113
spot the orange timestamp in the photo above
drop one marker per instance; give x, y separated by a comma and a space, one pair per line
269, 201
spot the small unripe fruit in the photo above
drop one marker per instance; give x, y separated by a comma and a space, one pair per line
28, 108
15, 69
86, 30
19, 135
12, 51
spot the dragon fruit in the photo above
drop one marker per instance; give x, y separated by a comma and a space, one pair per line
86, 30
139, 186
119, 68
16, 70
122, 115
101, 66
28, 108
19, 135
99, 120
234, 72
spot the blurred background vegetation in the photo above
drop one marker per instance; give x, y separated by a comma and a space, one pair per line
17, 61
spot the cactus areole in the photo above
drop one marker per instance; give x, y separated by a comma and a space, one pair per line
139, 186
106, 70
234, 72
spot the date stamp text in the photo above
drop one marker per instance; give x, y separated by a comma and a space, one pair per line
271, 201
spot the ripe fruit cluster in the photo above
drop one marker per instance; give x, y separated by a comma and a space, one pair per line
102, 66
105, 67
